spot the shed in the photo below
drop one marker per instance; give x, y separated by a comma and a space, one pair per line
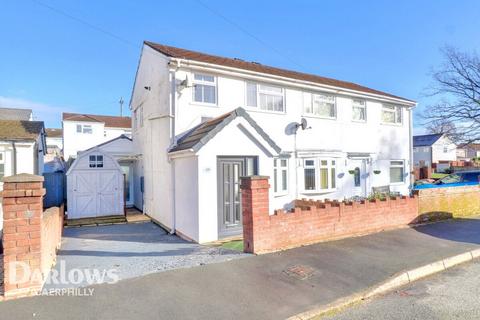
95, 186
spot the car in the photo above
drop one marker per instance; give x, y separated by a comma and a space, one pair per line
454, 179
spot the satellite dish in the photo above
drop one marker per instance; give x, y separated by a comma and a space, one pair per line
303, 123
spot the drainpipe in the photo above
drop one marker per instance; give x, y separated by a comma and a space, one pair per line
172, 108
410, 143
14, 164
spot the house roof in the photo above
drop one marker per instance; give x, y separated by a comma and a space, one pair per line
110, 121
20, 129
198, 136
257, 67
54, 132
15, 114
426, 139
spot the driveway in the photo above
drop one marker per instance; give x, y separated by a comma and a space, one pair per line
127, 251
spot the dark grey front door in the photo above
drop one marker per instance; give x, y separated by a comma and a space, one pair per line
230, 203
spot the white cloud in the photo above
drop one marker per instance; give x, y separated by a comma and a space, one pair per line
51, 115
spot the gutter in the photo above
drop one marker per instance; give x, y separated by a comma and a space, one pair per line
285, 80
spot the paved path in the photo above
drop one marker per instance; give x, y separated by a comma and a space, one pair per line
258, 287
452, 294
129, 250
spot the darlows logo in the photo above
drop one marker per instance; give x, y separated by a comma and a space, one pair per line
21, 273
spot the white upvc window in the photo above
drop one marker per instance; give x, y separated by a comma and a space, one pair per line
322, 105
280, 176
204, 88
265, 97
84, 128
2, 164
391, 114
359, 110
397, 171
320, 175
95, 161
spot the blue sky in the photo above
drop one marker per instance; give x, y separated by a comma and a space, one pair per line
51, 62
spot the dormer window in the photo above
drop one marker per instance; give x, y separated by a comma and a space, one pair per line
204, 88
84, 128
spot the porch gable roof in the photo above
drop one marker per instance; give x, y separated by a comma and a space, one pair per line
200, 135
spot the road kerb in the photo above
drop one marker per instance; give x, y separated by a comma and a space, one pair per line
399, 280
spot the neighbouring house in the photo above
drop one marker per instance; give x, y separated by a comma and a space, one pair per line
83, 131
468, 152
16, 114
54, 138
433, 149
22, 148
200, 122
100, 181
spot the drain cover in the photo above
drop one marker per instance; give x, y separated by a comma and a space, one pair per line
299, 271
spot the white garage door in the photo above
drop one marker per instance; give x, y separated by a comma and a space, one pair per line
95, 193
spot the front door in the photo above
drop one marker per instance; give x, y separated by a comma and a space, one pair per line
360, 176
229, 205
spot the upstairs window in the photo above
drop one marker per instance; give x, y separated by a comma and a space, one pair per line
84, 128
204, 89
359, 110
280, 176
265, 97
2, 165
95, 161
323, 105
396, 171
391, 114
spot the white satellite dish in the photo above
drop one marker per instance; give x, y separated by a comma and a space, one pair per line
303, 123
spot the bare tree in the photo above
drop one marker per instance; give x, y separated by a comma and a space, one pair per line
444, 126
457, 85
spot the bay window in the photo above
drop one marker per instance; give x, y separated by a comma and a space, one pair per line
319, 174
397, 171
204, 88
323, 105
265, 97
391, 114
359, 110
280, 176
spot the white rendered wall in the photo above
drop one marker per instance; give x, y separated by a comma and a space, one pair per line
438, 150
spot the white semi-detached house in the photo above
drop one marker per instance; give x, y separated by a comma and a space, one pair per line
204, 121
84, 131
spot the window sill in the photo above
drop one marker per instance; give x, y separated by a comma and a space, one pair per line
203, 104
392, 124
317, 117
254, 109
359, 121
397, 183
280, 194
323, 191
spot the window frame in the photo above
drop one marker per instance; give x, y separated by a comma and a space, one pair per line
82, 127
331, 166
313, 98
364, 107
258, 92
402, 166
2, 162
97, 162
213, 84
388, 108
278, 180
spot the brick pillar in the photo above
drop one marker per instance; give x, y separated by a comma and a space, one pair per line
255, 210
22, 214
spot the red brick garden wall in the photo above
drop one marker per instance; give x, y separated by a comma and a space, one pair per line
314, 221
30, 235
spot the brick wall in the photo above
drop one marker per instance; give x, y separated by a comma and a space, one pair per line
52, 226
27, 248
452, 201
314, 221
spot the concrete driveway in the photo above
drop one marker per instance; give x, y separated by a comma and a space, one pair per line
126, 251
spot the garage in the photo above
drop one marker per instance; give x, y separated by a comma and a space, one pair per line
95, 186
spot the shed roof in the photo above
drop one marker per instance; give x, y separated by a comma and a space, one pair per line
261, 68
20, 129
198, 136
426, 139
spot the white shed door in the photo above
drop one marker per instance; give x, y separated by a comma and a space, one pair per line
96, 193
